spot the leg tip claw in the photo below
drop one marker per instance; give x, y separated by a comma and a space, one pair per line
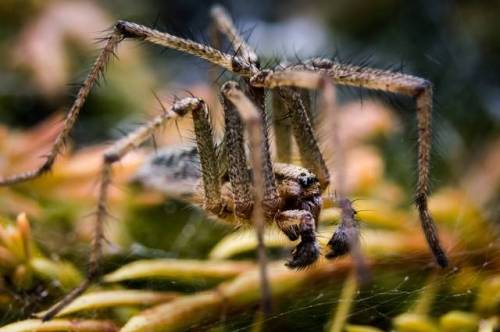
441, 259
305, 254
339, 244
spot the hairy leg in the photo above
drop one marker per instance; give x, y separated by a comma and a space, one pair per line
346, 237
239, 175
305, 95
95, 73
307, 251
234, 64
238, 105
115, 153
121, 31
304, 135
208, 158
310, 74
264, 178
282, 130
225, 25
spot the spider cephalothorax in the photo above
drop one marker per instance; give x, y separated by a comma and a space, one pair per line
286, 194
177, 173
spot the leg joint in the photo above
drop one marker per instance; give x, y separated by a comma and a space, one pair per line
185, 105
111, 157
47, 165
422, 87
421, 200
128, 30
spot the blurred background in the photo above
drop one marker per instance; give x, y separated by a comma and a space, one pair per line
48, 47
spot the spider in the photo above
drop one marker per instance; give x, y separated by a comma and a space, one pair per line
290, 195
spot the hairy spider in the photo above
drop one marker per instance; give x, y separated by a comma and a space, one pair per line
288, 194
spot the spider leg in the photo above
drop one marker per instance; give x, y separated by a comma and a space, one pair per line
300, 78
282, 129
121, 31
208, 159
306, 97
282, 122
304, 135
346, 237
311, 111
301, 124
238, 109
421, 90
239, 175
96, 72
225, 25
264, 177
309, 75
117, 151
307, 251
234, 64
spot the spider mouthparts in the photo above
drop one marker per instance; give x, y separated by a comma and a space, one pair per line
305, 254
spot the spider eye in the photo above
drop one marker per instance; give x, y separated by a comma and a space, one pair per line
306, 180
